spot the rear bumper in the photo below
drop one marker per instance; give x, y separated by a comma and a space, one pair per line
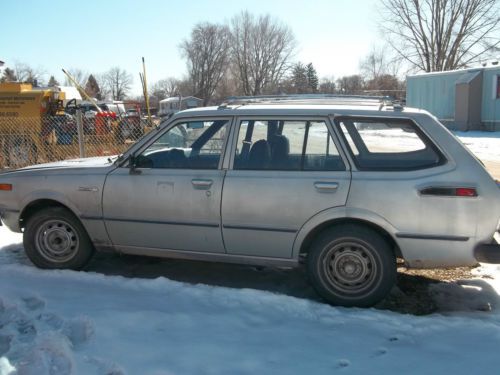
488, 253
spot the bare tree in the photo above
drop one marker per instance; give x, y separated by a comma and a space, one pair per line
165, 88
185, 87
327, 85
374, 64
105, 92
118, 83
207, 57
228, 86
351, 85
261, 50
387, 85
380, 73
79, 76
436, 35
26, 73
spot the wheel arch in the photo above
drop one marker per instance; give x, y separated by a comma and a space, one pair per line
328, 220
40, 204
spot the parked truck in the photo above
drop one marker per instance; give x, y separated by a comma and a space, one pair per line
27, 116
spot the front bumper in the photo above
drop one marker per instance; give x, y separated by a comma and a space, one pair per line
488, 253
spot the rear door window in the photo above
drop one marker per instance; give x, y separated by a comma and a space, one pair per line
286, 145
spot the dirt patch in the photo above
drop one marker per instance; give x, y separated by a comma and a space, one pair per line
445, 274
413, 293
417, 292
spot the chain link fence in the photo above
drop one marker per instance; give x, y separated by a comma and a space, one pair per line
26, 141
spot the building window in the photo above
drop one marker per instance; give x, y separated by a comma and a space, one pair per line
498, 87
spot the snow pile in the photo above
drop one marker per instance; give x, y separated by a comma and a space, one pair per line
65, 322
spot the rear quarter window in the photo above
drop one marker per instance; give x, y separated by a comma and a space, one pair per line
388, 144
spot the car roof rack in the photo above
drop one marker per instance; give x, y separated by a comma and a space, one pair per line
321, 99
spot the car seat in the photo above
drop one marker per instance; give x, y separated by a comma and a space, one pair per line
280, 152
177, 158
259, 155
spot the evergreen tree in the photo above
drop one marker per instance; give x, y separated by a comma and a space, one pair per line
299, 78
92, 88
52, 82
8, 76
312, 78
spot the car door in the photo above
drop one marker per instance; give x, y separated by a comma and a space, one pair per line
282, 172
171, 199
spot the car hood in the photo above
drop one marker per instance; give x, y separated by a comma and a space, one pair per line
95, 162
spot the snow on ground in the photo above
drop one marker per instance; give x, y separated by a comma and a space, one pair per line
485, 145
66, 322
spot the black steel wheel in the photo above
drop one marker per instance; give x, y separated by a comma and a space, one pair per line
55, 238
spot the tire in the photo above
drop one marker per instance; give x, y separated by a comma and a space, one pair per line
55, 239
351, 265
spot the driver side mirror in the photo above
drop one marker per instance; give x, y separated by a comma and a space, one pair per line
139, 161
132, 164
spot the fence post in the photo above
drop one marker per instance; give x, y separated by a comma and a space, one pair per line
79, 129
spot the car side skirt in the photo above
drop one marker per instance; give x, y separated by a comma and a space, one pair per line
209, 257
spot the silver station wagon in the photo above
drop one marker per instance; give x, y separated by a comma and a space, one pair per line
344, 186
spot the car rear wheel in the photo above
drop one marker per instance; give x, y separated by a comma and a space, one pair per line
351, 265
55, 238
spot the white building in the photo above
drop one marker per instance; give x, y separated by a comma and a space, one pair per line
175, 104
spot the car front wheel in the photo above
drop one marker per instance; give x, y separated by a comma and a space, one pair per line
55, 238
351, 265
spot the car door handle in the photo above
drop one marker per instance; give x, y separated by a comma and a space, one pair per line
201, 183
326, 187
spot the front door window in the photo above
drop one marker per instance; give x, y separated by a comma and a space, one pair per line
188, 145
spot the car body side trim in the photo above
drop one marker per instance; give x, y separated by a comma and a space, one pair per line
432, 237
83, 217
265, 229
10, 210
193, 224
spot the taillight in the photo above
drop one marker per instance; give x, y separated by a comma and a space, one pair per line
465, 192
5, 187
449, 191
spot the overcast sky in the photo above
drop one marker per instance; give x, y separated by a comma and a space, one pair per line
96, 35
